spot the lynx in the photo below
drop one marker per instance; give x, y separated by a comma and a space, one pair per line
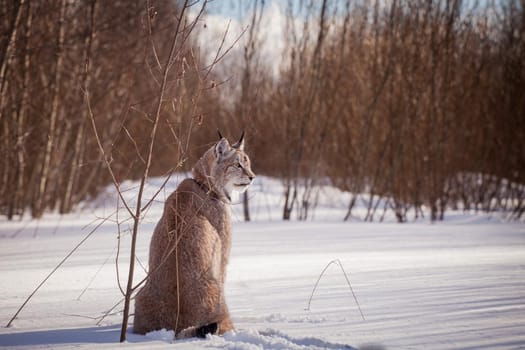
190, 247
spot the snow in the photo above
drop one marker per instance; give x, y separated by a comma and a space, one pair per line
457, 284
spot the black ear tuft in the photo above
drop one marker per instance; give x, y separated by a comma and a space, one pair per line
220, 135
239, 144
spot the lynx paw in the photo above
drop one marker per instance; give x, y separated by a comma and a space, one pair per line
207, 329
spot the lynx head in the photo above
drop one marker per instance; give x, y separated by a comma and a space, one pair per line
225, 168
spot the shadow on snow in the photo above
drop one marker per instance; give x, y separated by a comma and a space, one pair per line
94, 335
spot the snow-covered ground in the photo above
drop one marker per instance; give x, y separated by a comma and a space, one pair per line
459, 284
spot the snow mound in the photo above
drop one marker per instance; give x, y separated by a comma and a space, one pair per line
270, 339
161, 335
248, 339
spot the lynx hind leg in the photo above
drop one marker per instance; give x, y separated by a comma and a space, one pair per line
221, 327
147, 315
199, 332
139, 323
140, 326
207, 329
225, 325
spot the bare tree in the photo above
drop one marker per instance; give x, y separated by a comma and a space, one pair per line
39, 204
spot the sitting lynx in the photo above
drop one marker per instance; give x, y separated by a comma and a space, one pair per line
190, 247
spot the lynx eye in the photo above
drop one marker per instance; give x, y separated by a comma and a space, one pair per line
238, 165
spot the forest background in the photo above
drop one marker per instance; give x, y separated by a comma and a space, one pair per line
420, 104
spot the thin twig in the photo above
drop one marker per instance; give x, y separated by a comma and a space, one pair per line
141, 264
158, 191
137, 150
107, 313
337, 262
96, 274
218, 56
150, 32
53, 271
118, 251
103, 152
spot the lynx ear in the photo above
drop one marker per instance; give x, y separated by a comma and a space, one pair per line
221, 148
239, 144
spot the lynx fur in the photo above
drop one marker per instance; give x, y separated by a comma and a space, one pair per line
190, 247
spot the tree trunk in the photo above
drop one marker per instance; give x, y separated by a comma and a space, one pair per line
289, 200
6, 60
78, 154
246, 207
41, 202
18, 201
8, 54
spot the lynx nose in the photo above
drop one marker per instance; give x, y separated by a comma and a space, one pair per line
251, 177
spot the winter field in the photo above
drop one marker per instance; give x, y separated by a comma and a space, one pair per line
457, 284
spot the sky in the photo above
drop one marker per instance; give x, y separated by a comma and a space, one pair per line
235, 17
